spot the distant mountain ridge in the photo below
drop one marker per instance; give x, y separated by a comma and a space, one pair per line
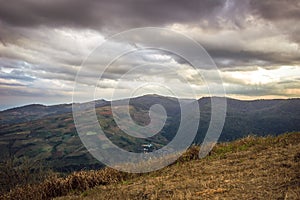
36, 111
48, 132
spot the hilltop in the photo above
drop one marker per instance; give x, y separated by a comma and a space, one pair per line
249, 168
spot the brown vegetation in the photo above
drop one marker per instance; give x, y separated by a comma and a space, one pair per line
250, 168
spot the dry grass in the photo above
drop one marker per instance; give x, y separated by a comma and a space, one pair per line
16, 172
58, 186
250, 168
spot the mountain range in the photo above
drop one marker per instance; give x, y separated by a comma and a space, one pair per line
48, 133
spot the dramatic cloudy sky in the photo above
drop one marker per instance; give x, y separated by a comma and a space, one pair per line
254, 43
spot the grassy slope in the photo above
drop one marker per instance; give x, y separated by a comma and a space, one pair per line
250, 168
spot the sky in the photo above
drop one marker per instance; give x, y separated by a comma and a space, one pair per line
254, 44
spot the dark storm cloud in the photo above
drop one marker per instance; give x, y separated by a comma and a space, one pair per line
114, 16
53, 13
135, 13
277, 9
112, 13
284, 13
227, 58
